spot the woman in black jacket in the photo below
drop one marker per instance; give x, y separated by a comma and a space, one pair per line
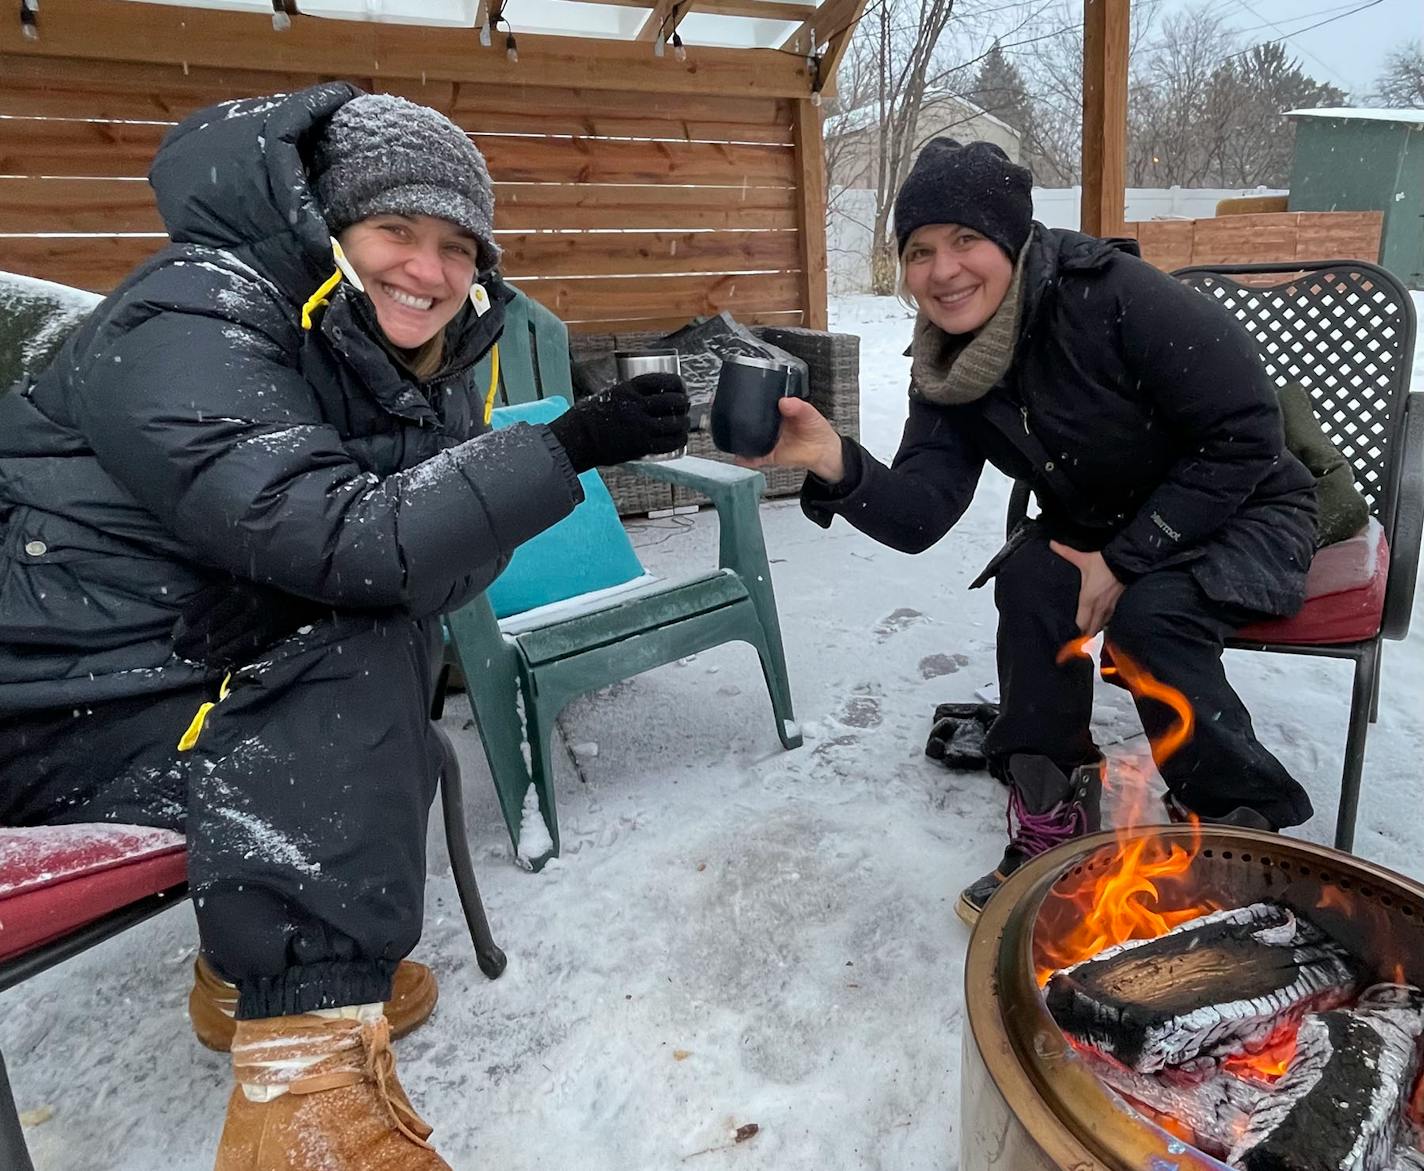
232, 511
1170, 512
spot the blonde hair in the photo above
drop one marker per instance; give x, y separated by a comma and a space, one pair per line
426, 359
902, 283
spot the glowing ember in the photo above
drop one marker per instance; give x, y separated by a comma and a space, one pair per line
1268, 1064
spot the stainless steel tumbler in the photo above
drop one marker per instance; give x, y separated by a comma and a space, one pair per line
631, 363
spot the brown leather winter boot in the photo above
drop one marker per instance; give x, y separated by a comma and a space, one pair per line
213, 1001
338, 1107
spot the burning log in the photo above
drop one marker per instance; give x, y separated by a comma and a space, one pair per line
1216, 1109
1210, 987
1339, 1107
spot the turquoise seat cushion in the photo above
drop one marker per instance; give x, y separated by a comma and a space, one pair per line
587, 550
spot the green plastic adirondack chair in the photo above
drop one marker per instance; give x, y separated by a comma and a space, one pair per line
522, 671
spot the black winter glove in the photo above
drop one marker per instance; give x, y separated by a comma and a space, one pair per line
230, 622
646, 415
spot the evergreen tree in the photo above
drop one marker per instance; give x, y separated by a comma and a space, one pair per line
999, 90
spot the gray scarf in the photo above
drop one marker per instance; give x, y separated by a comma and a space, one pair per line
950, 368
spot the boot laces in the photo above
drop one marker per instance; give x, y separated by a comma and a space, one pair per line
1040, 832
378, 1067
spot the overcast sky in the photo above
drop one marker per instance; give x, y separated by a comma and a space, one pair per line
1348, 52
1347, 49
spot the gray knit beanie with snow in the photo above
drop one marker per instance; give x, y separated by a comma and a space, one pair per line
381, 153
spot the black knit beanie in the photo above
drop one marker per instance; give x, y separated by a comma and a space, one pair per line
974, 185
380, 153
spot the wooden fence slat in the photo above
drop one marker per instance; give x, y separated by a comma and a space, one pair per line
1336, 235
1166, 243
33, 147
627, 253
582, 160
77, 205
535, 206
97, 263
1242, 239
1260, 238
622, 126
669, 324
621, 298
473, 99
173, 84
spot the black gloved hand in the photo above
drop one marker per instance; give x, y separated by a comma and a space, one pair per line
230, 622
646, 415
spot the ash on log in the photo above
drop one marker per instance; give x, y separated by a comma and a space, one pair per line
1216, 1108
1208, 988
1340, 1104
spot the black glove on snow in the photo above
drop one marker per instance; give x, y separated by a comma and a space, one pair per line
646, 415
230, 622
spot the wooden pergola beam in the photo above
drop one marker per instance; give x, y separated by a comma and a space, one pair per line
163, 36
663, 19
830, 21
1106, 34
760, 9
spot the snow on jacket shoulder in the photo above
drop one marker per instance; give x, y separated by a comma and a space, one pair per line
192, 427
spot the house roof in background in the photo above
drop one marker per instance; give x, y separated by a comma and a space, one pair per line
863, 117
1412, 116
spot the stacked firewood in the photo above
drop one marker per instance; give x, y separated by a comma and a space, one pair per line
1171, 1022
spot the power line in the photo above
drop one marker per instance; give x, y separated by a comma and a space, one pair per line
1286, 36
1306, 29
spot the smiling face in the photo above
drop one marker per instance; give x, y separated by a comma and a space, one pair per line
957, 277
417, 271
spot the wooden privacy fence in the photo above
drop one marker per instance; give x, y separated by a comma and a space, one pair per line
631, 191
1260, 238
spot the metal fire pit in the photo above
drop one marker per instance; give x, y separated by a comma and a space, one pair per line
1027, 1102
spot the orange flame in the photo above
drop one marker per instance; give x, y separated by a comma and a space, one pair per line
1333, 899
1142, 683
1074, 649
1123, 900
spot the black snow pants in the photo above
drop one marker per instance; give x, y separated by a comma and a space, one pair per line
305, 802
1165, 625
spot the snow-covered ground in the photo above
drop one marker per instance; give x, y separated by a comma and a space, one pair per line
734, 934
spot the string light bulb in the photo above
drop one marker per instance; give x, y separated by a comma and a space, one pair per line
29, 20
511, 47
678, 52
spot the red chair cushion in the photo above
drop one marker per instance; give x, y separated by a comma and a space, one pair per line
1344, 595
56, 878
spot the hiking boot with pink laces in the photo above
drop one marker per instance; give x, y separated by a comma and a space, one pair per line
1046, 809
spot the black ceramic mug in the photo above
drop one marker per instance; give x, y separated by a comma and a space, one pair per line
746, 416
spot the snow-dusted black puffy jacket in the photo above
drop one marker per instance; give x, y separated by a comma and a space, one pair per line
191, 428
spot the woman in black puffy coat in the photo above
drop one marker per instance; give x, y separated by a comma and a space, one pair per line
1171, 513
232, 511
